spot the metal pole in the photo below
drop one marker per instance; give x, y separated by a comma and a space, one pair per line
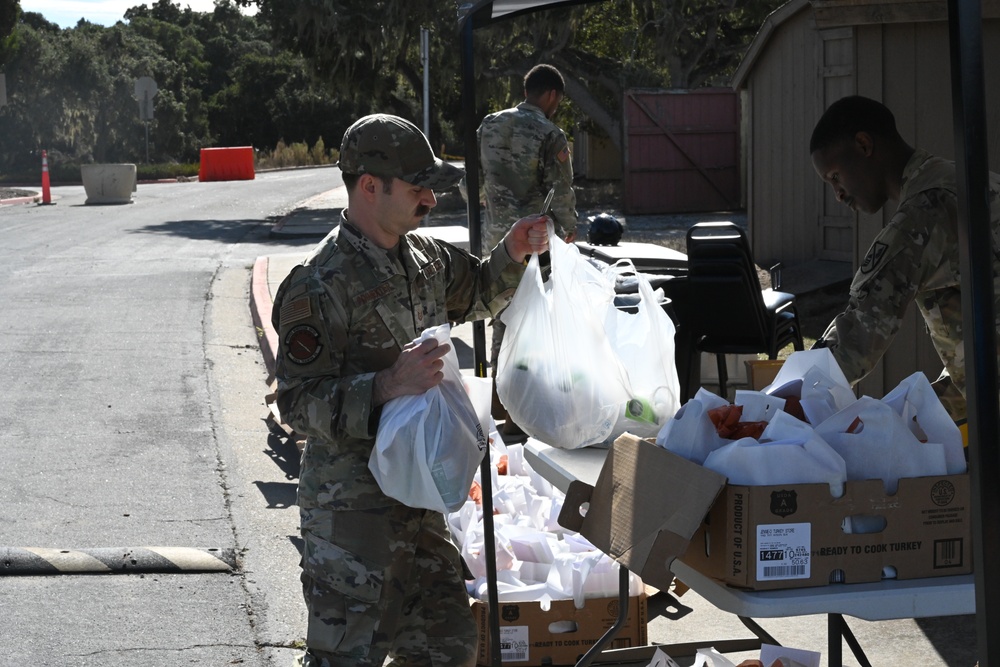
479, 328
425, 57
976, 260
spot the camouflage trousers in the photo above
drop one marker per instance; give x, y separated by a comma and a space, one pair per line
385, 581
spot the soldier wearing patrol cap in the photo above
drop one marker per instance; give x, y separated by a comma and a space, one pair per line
379, 578
522, 155
857, 149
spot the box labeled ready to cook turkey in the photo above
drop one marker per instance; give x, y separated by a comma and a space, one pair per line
650, 506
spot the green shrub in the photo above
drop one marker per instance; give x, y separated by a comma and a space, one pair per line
298, 154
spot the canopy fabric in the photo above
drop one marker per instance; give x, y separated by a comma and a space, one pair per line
484, 12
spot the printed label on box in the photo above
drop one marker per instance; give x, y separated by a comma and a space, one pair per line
514, 643
783, 551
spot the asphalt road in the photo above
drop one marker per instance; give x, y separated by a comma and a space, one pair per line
133, 417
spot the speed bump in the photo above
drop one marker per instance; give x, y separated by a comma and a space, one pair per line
114, 560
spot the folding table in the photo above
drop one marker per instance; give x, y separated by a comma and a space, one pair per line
883, 600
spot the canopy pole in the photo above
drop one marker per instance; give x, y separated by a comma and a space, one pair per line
976, 254
479, 327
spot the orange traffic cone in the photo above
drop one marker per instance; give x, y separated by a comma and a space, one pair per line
46, 193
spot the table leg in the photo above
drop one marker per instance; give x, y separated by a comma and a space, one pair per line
835, 644
847, 635
595, 650
762, 634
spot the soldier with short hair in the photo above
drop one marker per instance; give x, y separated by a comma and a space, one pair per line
522, 155
857, 149
379, 578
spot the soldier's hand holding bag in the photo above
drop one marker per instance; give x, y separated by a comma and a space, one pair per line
429, 446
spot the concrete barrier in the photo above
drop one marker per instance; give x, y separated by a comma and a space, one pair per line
226, 164
108, 183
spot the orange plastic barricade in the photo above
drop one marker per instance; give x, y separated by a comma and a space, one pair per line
226, 164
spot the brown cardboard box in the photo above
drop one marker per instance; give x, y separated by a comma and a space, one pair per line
645, 508
526, 638
761, 372
648, 504
767, 537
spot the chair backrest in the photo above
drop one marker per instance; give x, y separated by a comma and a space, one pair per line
726, 297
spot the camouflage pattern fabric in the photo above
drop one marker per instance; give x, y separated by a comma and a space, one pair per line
344, 315
341, 316
523, 155
914, 259
385, 581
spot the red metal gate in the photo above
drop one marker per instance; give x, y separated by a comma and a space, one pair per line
681, 150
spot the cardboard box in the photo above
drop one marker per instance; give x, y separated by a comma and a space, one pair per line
791, 536
645, 508
649, 503
533, 637
761, 372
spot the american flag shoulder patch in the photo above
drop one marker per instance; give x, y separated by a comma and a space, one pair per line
296, 309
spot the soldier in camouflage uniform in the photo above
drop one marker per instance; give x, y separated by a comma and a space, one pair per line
857, 149
379, 578
522, 155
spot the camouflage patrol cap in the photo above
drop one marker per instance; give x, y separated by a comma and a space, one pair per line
385, 145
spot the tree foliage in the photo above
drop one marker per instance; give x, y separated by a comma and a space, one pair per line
371, 50
220, 81
10, 11
301, 70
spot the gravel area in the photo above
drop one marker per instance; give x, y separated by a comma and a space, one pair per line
14, 193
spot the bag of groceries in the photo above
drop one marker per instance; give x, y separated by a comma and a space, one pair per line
429, 446
877, 444
690, 433
644, 341
558, 375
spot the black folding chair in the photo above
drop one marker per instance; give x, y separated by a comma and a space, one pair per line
728, 312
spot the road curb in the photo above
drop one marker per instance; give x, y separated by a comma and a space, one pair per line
260, 308
21, 200
114, 560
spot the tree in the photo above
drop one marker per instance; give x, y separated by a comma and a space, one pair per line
10, 12
220, 79
370, 50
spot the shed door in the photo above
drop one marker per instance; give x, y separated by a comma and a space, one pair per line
837, 79
682, 150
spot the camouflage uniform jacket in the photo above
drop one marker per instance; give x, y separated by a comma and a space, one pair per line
522, 155
914, 258
344, 314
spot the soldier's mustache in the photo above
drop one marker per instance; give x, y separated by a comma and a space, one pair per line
423, 210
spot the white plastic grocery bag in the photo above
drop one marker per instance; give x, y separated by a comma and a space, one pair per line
914, 400
789, 452
644, 341
557, 374
817, 380
429, 446
690, 432
876, 444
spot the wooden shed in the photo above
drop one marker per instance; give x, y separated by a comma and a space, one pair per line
806, 56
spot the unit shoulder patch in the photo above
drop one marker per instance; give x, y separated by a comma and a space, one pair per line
302, 344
